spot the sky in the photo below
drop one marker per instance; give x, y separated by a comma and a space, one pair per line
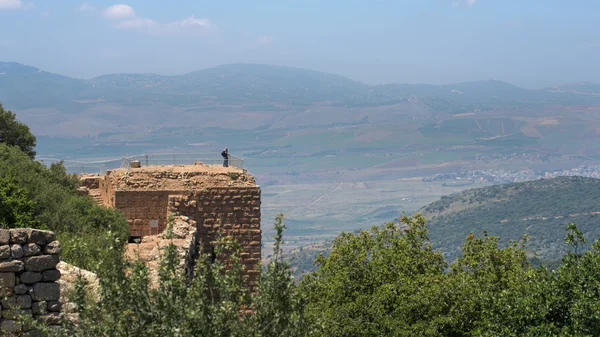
531, 43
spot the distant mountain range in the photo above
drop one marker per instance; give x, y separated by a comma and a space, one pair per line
23, 87
579, 88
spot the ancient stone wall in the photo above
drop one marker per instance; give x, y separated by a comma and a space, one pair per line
90, 181
107, 191
28, 275
150, 249
228, 211
146, 211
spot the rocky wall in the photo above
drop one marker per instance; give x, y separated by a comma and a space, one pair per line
28, 275
146, 211
229, 211
90, 181
107, 191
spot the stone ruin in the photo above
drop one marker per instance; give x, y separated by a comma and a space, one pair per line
206, 201
28, 278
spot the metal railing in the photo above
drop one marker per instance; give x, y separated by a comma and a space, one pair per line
162, 159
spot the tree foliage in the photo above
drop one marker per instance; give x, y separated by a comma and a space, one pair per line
16, 209
215, 302
34, 195
15, 133
388, 281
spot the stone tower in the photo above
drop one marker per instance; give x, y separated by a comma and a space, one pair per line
220, 200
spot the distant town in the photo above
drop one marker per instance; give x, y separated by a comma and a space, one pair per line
508, 176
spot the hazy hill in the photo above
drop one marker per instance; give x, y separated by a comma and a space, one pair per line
26, 87
249, 82
585, 88
540, 209
253, 84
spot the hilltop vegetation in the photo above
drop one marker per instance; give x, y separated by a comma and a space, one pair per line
540, 209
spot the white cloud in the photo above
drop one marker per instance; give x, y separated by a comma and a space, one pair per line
468, 3
125, 17
191, 22
15, 4
137, 23
265, 39
10, 4
85, 8
119, 12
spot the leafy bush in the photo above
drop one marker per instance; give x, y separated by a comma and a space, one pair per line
388, 282
15, 133
16, 209
216, 302
47, 198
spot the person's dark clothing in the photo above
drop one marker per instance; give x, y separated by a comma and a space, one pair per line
225, 155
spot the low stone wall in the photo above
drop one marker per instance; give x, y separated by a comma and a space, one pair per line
91, 181
28, 275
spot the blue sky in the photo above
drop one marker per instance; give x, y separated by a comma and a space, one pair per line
532, 43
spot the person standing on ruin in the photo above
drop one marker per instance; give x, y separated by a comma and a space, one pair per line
225, 155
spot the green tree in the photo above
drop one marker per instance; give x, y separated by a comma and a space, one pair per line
15, 133
53, 203
383, 282
16, 209
279, 303
214, 302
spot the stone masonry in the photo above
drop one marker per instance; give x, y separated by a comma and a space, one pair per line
218, 200
28, 275
230, 212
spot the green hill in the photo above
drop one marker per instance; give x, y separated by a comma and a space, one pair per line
540, 209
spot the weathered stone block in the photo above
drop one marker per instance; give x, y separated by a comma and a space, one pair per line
12, 266
52, 248
29, 277
4, 236
40, 263
39, 307
7, 281
4, 252
54, 306
38, 237
24, 301
9, 302
16, 251
50, 275
10, 326
20, 289
46, 292
32, 249
18, 235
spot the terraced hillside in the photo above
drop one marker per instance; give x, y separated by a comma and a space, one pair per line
540, 209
